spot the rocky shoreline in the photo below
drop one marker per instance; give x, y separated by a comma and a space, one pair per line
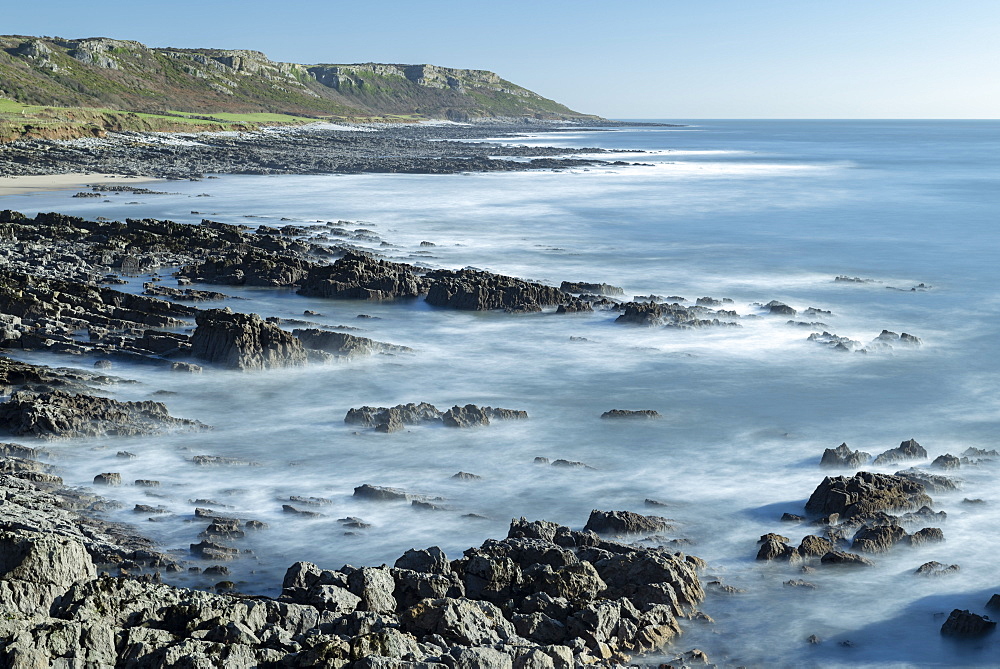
405, 148
79, 591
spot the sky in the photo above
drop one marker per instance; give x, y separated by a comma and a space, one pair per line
664, 59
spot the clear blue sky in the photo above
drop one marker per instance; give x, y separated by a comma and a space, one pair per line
631, 59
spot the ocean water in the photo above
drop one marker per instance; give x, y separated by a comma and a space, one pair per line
747, 210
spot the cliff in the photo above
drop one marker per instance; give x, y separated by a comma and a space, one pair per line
125, 75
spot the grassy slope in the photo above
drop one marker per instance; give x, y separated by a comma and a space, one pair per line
47, 92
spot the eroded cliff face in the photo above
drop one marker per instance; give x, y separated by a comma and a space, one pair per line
124, 74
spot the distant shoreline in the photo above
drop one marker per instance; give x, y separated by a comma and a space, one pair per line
25, 184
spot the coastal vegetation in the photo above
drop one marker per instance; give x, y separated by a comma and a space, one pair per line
55, 88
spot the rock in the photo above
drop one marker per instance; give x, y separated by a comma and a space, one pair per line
381, 494
458, 621
864, 494
946, 461
962, 623
427, 561
392, 419
842, 558
814, 546
994, 603
799, 583
973, 452
792, 518
344, 345
596, 288
629, 413
927, 535
471, 415
624, 522
57, 414
842, 456
358, 277
774, 549
466, 476
111, 478
244, 341
779, 308
878, 539
936, 569
931, 482
375, 587
907, 450
473, 290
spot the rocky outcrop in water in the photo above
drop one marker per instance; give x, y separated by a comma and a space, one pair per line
344, 345
579, 287
58, 414
244, 341
964, 623
393, 419
864, 494
843, 456
359, 277
907, 450
473, 290
520, 601
624, 522
642, 414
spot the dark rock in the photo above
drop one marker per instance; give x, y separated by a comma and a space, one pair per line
392, 419
244, 341
946, 461
962, 623
842, 456
931, 482
846, 559
878, 539
927, 535
471, 415
936, 569
381, 494
341, 344
814, 546
779, 308
864, 494
427, 561
111, 478
792, 518
624, 522
596, 288
907, 450
58, 414
629, 413
466, 476
358, 277
472, 290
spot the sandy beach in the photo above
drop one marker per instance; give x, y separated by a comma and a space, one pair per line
22, 185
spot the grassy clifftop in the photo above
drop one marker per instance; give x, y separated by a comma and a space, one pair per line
47, 80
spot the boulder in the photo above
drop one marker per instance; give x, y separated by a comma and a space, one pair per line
842, 456
624, 522
936, 569
865, 493
843, 558
58, 414
359, 277
946, 461
244, 341
471, 415
878, 539
427, 561
473, 290
963, 623
458, 621
344, 345
579, 287
907, 450
393, 419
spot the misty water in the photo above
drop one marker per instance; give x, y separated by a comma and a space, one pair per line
747, 210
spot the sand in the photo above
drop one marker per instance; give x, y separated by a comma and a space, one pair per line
30, 184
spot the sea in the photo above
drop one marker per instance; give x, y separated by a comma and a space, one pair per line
747, 210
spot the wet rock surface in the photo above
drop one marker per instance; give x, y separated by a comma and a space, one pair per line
514, 602
393, 419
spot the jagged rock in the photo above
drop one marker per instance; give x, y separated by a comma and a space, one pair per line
936, 569
779, 308
842, 456
466, 476
381, 494
878, 539
931, 482
845, 558
345, 345
774, 549
963, 623
994, 603
358, 277
58, 414
458, 621
629, 413
427, 561
473, 290
110, 478
864, 494
973, 452
596, 288
624, 522
946, 461
812, 545
244, 341
471, 415
927, 535
907, 450
392, 419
